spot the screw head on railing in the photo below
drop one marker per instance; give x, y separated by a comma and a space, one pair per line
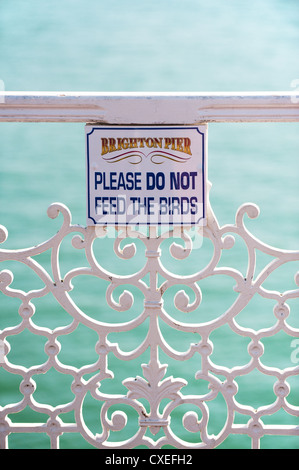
255, 349
27, 387
281, 389
52, 348
27, 310
281, 311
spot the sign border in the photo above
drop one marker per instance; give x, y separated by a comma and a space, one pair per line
201, 221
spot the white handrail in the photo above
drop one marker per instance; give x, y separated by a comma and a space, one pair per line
149, 108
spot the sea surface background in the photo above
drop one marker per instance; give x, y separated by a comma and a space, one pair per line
165, 45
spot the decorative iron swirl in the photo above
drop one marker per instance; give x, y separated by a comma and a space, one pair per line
163, 392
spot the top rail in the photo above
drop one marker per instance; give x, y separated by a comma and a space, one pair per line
149, 108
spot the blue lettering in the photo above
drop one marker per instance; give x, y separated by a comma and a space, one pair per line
183, 180
113, 181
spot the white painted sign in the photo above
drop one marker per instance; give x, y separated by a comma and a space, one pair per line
146, 175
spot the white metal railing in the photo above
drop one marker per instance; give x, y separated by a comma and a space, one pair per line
152, 382
150, 108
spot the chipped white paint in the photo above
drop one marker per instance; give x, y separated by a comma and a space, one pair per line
152, 381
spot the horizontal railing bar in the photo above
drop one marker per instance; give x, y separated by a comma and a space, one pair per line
149, 108
42, 427
269, 429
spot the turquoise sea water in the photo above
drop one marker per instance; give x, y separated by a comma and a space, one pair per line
165, 45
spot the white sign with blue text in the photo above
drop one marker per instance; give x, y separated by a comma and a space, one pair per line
147, 175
